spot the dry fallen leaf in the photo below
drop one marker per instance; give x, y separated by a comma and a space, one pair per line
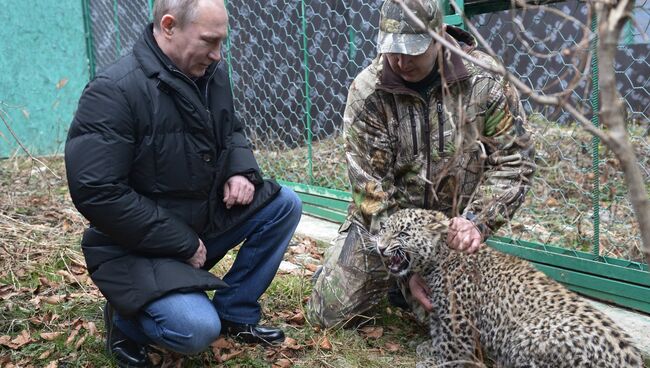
282, 363
311, 267
222, 343
292, 344
325, 344
72, 335
91, 328
54, 299
49, 336
22, 339
62, 83
80, 342
228, 356
155, 359
297, 319
45, 282
392, 347
372, 332
7, 291
78, 268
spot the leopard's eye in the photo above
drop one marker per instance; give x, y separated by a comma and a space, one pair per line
402, 234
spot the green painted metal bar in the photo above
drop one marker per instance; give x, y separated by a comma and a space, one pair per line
308, 131
610, 298
88, 30
629, 32
510, 244
352, 47
632, 296
451, 16
229, 54
116, 24
319, 191
595, 141
454, 20
150, 10
323, 213
555, 256
331, 204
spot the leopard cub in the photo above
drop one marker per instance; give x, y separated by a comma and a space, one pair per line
497, 304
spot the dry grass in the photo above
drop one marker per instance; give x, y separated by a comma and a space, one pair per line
50, 312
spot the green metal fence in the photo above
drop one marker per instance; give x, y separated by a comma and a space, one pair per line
291, 63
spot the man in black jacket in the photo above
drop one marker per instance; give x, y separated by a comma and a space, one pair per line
159, 165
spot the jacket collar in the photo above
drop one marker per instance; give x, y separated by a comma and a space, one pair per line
453, 67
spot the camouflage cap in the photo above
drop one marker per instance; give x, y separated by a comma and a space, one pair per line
399, 34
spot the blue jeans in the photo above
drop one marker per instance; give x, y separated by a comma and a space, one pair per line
188, 322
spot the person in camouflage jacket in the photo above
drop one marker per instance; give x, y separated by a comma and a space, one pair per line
423, 128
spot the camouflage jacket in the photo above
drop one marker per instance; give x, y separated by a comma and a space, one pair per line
463, 150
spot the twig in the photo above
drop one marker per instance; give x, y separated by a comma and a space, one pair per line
4, 117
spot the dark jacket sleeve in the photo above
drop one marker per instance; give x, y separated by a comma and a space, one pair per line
241, 160
98, 156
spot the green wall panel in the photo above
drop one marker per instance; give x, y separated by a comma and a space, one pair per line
43, 65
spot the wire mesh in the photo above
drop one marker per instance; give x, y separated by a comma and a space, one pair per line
116, 25
560, 208
291, 64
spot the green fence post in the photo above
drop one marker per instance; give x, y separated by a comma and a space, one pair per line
229, 55
595, 141
116, 23
88, 30
307, 94
352, 48
150, 10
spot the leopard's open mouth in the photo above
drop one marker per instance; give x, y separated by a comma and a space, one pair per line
398, 264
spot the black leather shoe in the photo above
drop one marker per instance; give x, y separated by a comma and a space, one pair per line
252, 334
127, 353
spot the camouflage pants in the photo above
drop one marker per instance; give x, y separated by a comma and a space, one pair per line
352, 281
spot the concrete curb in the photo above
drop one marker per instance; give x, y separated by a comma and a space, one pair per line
637, 325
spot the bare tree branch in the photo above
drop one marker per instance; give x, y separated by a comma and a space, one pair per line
613, 17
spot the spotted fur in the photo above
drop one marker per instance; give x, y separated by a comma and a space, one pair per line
497, 304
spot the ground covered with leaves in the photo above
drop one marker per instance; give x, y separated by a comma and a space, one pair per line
51, 312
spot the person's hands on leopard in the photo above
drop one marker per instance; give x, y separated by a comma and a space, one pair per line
420, 291
464, 236
238, 191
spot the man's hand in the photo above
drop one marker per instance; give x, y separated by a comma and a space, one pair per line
238, 191
198, 259
420, 291
464, 236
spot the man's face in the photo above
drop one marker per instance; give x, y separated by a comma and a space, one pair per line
413, 68
198, 44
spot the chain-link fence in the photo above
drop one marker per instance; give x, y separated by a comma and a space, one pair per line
291, 63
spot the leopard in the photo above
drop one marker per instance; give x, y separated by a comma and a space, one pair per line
494, 307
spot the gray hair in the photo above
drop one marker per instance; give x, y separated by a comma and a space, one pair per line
185, 11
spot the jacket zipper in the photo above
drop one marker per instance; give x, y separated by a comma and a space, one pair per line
427, 145
184, 76
441, 128
414, 133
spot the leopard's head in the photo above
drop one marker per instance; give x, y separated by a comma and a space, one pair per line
411, 239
